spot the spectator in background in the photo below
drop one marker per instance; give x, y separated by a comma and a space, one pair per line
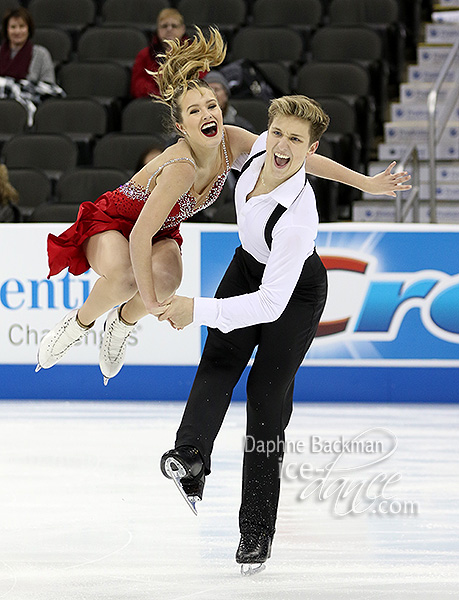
19, 57
9, 211
152, 152
169, 25
222, 91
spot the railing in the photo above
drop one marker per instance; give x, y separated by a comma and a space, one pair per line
436, 129
403, 207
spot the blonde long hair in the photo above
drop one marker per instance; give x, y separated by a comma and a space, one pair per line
7, 192
183, 63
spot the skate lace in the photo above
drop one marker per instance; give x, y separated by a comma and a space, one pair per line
118, 334
67, 335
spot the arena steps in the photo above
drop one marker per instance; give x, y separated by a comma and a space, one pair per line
408, 125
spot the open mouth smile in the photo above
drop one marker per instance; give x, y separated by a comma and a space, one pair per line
281, 160
210, 129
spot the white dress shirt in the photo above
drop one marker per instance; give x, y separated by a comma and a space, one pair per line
292, 243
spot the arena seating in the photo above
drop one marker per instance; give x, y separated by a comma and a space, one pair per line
339, 51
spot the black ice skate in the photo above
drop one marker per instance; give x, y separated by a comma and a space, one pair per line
253, 551
185, 467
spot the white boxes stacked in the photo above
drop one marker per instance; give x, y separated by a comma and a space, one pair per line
418, 92
415, 111
446, 16
401, 134
428, 55
447, 180
441, 33
429, 73
384, 212
409, 125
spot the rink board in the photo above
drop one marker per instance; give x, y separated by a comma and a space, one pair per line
389, 333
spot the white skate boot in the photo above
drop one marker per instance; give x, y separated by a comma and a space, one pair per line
113, 349
56, 343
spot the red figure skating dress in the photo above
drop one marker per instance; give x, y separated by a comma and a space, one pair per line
119, 210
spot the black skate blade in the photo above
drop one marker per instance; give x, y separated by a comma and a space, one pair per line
176, 471
247, 570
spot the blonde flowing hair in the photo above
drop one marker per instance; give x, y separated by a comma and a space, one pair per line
7, 192
183, 63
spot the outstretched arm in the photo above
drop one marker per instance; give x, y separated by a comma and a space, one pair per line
385, 183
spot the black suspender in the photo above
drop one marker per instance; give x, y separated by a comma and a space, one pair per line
248, 162
274, 217
277, 212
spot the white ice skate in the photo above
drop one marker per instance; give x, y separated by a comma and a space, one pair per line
113, 349
56, 343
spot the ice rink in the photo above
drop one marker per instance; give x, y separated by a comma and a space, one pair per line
87, 515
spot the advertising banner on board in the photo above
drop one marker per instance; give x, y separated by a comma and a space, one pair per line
31, 304
393, 293
393, 303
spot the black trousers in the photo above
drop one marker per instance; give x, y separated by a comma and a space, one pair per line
282, 346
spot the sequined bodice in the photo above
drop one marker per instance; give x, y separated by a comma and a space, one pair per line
131, 197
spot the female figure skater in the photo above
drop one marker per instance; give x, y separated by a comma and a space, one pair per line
130, 237
271, 296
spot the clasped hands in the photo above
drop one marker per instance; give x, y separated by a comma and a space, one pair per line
178, 311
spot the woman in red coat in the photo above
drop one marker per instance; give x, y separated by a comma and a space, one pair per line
169, 25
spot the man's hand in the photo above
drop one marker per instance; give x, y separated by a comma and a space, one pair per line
156, 309
387, 183
179, 312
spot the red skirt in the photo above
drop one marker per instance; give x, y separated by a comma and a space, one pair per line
66, 250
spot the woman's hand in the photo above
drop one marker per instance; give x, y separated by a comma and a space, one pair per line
179, 312
156, 309
387, 183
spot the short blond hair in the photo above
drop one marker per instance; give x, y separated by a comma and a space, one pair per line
169, 13
303, 108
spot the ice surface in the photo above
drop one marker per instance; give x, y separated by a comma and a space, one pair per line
86, 514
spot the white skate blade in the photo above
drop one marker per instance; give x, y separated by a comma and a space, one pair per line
247, 570
176, 474
37, 368
106, 380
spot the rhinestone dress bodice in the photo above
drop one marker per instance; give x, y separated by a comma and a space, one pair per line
130, 197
